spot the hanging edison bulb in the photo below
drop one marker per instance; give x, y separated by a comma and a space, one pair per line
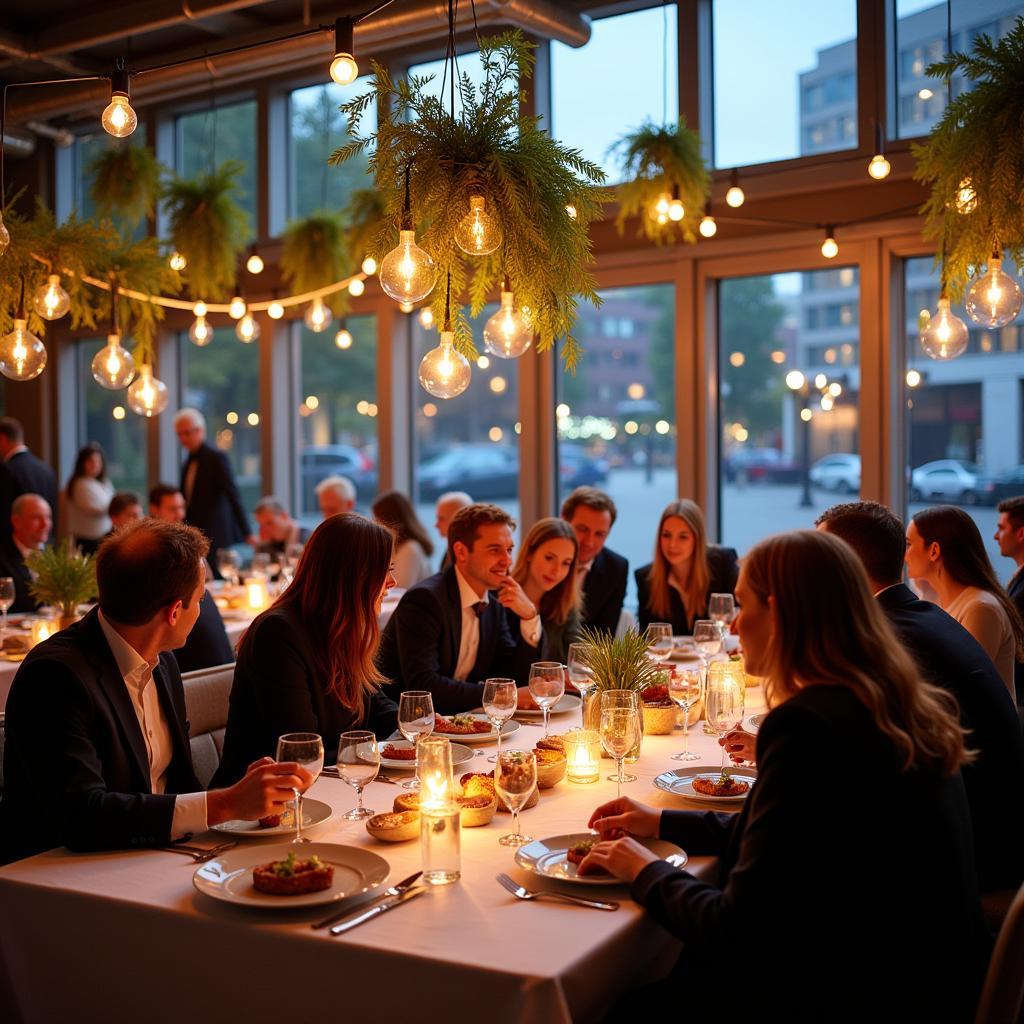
879, 167
830, 247
317, 316
994, 300
200, 333
659, 209
676, 210
247, 330
343, 339
176, 261
943, 336
406, 307
735, 196
5, 235
708, 227
444, 372
426, 318
506, 335
199, 309
478, 233
51, 302
966, 200
113, 366
147, 396
254, 264
119, 118
369, 266
22, 354
407, 273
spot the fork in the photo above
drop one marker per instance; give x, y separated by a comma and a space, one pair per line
522, 893
200, 854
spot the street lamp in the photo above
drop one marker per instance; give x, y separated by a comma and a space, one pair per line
817, 390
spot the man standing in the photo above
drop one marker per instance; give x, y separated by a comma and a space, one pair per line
21, 473
602, 573
335, 494
30, 523
1010, 538
447, 505
97, 753
211, 497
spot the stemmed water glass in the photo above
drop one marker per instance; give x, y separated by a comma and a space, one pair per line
307, 750
415, 719
229, 566
659, 640
685, 687
547, 686
707, 637
515, 777
261, 563
721, 609
7, 594
358, 764
620, 729
501, 697
724, 701
580, 675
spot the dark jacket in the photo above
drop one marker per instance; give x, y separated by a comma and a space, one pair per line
13, 565
214, 506
557, 636
25, 474
951, 658
843, 873
724, 568
604, 590
76, 772
1016, 591
419, 649
207, 644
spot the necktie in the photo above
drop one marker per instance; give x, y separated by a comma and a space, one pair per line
479, 608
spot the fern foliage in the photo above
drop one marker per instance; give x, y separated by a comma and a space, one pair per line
314, 255
364, 218
125, 183
618, 663
64, 577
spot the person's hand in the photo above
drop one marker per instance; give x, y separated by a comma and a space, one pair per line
264, 789
513, 597
740, 745
625, 816
624, 858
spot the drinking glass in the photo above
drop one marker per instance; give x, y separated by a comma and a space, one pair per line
501, 697
515, 776
294, 553
722, 608
261, 563
415, 719
620, 724
6, 600
547, 686
659, 640
723, 702
707, 637
580, 676
229, 566
358, 764
685, 687
307, 749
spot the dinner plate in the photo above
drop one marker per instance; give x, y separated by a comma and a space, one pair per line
460, 755
679, 782
753, 723
569, 702
229, 876
314, 812
509, 728
548, 858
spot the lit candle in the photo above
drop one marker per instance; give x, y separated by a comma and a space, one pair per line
440, 825
43, 629
583, 753
257, 595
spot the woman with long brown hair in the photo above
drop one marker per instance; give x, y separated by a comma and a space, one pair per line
87, 499
846, 886
413, 546
945, 550
306, 664
686, 571
546, 570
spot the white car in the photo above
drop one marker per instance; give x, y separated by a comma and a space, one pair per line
839, 473
945, 480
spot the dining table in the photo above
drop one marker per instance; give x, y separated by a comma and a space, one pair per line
125, 935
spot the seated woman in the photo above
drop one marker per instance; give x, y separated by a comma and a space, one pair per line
546, 570
849, 870
306, 664
946, 552
686, 571
413, 546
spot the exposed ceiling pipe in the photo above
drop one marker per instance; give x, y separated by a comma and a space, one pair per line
61, 136
18, 145
19, 50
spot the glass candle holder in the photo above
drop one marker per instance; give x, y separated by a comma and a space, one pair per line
257, 596
583, 753
434, 771
43, 629
441, 843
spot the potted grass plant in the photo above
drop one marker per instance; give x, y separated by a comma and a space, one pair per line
64, 578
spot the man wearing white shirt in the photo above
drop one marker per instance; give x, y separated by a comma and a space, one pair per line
97, 753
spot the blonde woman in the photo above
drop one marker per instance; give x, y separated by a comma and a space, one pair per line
546, 570
850, 868
686, 571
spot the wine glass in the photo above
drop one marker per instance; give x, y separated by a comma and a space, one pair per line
685, 687
547, 686
707, 637
7, 595
580, 676
515, 777
261, 563
620, 721
721, 608
307, 750
659, 640
229, 566
724, 700
415, 719
501, 697
294, 552
358, 764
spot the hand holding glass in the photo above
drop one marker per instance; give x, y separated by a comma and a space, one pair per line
307, 750
358, 764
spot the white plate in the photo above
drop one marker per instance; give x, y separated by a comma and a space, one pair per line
753, 723
679, 782
570, 702
314, 812
229, 877
460, 755
509, 728
547, 858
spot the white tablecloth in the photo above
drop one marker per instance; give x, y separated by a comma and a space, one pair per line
124, 936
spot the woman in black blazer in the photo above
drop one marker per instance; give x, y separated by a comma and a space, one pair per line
307, 663
846, 885
686, 571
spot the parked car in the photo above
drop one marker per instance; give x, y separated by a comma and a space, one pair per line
486, 471
320, 461
951, 480
578, 469
993, 489
839, 472
764, 465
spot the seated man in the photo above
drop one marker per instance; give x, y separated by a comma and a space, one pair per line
335, 494
447, 505
952, 659
449, 633
31, 520
277, 529
125, 507
97, 753
207, 645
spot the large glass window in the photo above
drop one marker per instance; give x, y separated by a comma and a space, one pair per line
785, 79
626, 74
467, 64
222, 381
84, 151
337, 412
786, 454
616, 416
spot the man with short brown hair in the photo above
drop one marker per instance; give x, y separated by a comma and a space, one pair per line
1010, 538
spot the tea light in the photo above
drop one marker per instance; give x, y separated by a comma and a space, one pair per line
257, 595
583, 753
43, 629
440, 824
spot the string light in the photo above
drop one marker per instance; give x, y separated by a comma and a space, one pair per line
659, 211
254, 264
147, 396
247, 330
51, 301
879, 167
356, 287
113, 367
344, 69
943, 336
913, 378
369, 266
119, 119
426, 318
735, 197
994, 300
478, 233
275, 310
176, 261
318, 316
570, 211
200, 333
199, 309
237, 307
830, 247
343, 339
966, 200
676, 210
505, 334
22, 354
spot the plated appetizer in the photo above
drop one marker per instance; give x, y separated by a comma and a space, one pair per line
292, 876
724, 785
461, 725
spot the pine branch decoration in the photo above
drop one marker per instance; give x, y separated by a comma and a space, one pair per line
313, 255
125, 184
64, 577
618, 663
364, 216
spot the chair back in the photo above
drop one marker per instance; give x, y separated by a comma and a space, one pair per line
206, 701
1003, 992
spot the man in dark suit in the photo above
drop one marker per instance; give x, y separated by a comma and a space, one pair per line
1010, 538
97, 752
602, 573
212, 501
30, 529
21, 473
952, 659
449, 632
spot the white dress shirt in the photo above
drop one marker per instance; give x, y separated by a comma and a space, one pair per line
189, 808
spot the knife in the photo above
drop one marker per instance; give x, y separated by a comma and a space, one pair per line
392, 890
379, 909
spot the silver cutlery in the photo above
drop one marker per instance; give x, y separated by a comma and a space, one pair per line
332, 773
390, 891
380, 908
200, 854
522, 893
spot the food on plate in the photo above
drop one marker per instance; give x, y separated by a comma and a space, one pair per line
482, 783
293, 877
474, 810
270, 821
576, 852
394, 828
461, 725
724, 785
551, 766
17, 643
393, 753
526, 701
556, 743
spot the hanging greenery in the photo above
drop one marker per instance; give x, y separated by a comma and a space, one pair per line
125, 184
487, 148
661, 165
313, 255
973, 160
208, 227
364, 215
